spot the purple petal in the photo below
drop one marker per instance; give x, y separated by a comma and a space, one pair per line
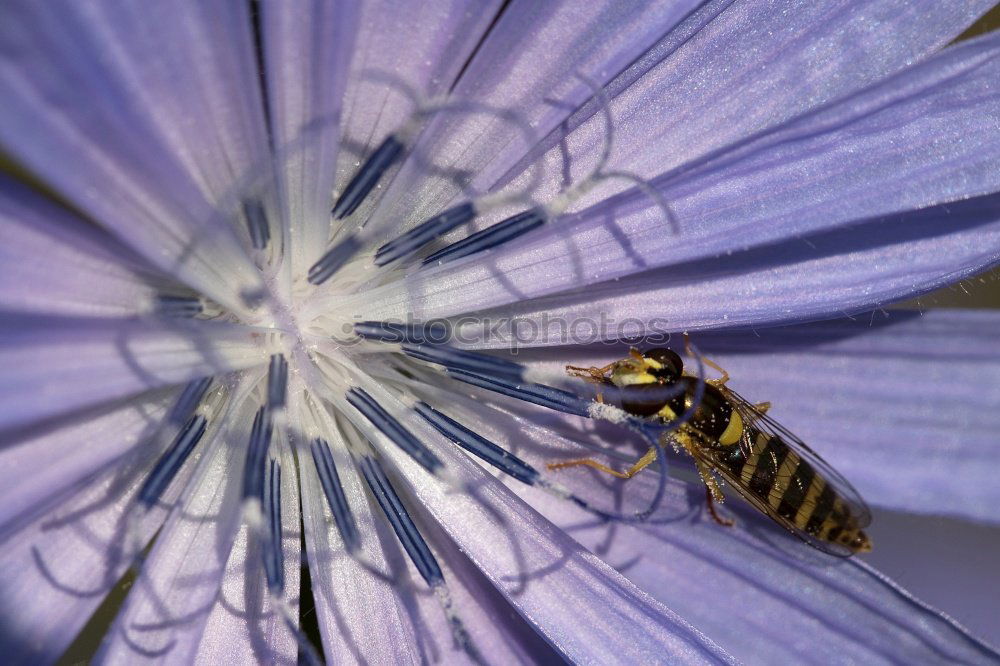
54, 263
529, 62
50, 364
421, 45
349, 599
733, 69
40, 469
758, 594
167, 609
243, 627
164, 134
820, 185
728, 70
57, 567
307, 51
851, 270
352, 604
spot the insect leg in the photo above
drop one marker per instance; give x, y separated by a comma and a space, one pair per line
710, 502
713, 493
590, 374
721, 381
641, 464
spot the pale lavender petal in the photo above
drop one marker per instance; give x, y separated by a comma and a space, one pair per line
54, 366
856, 269
350, 600
494, 624
153, 153
242, 627
542, 572
43, 467
822, 183
307, 51
364, 618
203, 100
421, 46
733, 69
167, 609
57, 568
529, 62
54, 263
760, 595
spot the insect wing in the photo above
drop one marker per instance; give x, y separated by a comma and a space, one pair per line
826, 546
752, 416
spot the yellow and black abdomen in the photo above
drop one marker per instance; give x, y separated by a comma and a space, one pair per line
790, 489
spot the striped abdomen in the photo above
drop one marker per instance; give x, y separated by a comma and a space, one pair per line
790, 489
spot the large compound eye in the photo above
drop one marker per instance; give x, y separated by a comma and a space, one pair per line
671, 364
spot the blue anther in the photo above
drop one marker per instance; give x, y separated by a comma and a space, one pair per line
260, 440
460, 359
273, 549
368, 176
277, 381
425, 232
168, 466
189, 399
407, 533
334, 491
334, 260
260, 231
504, 461
498, 234
392, 429
434, 332
539, 394
181, 307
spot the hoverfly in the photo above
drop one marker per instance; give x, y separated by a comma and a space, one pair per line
726, 435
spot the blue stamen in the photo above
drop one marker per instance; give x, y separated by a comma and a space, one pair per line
384, 331
477, 445
260, 440
277, 382
189, 399
260, 231
425, 232
407, 533
273, 551
458, 359
168, 466
181, 307
539, 394
334, 260
367, 178
392, 429
334, 492
498, 234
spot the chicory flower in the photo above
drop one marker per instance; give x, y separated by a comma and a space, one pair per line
211, 379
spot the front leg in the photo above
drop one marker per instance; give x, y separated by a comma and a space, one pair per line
645, 461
